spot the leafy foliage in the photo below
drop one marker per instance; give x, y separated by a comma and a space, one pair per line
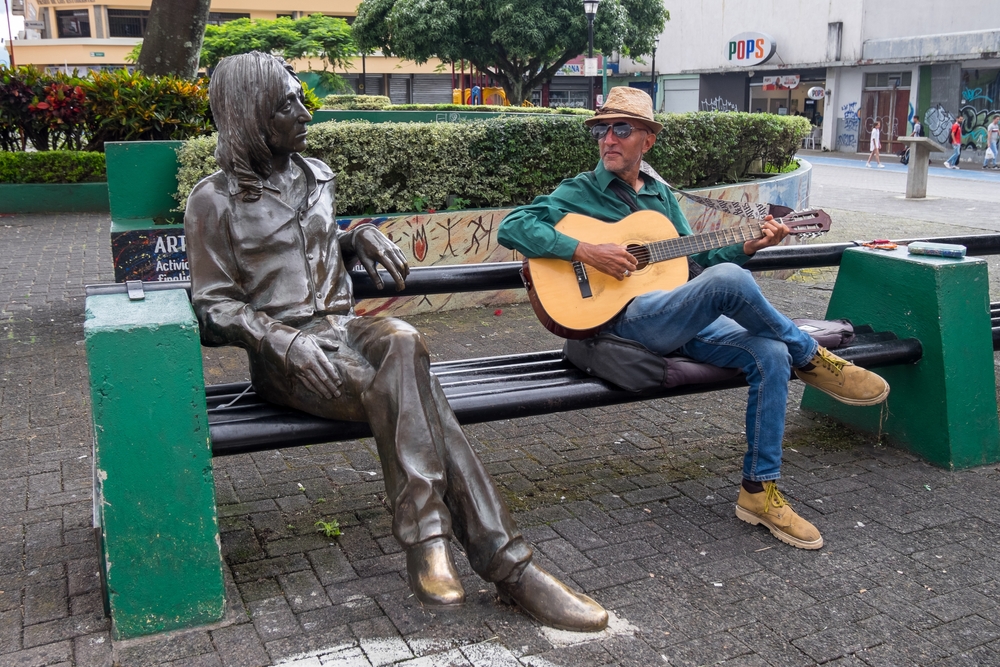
136, 107
52, 167
523, 43
506, 161
39, 109
57, 111
314, 36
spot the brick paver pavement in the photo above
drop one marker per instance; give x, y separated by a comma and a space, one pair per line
632, 504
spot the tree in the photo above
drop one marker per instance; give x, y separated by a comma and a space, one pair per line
317, 36
522, 43
173, 37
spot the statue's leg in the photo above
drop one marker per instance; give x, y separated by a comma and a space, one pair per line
434, 462
479, 515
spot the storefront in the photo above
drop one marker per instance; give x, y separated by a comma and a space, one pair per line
789, 93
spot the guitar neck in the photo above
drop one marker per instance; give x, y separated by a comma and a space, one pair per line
682, 246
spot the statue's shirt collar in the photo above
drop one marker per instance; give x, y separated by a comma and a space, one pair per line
317, 174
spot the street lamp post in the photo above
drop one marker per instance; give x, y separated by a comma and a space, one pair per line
652, 88
590, 9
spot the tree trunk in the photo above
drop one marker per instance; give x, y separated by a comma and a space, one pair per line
174, 33
514, 88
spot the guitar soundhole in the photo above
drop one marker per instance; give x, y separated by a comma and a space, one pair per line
641, 254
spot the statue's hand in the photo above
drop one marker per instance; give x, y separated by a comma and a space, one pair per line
307, 360
372, 247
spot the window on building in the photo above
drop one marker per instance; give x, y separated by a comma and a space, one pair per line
127, 22
218, 18
888, 79
73, 23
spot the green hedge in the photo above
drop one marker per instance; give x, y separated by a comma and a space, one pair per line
356, 102
382, 103
505, 161
52, 167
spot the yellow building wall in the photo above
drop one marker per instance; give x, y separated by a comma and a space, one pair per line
77, 52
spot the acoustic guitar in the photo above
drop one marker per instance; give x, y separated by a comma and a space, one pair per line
574, 301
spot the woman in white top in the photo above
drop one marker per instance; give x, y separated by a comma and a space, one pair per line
875, 145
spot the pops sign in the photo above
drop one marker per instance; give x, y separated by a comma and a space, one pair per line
750, 48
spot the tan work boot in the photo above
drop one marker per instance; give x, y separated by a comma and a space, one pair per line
770, 508
843, 380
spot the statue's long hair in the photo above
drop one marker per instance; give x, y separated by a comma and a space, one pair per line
245, 92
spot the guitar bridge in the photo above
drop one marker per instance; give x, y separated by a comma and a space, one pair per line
582, 279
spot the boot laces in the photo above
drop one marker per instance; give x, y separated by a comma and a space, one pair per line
773, 497
830, 360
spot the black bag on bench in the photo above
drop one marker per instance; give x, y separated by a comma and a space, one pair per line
629, 365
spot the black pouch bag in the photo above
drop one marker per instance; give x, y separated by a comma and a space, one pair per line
631, 366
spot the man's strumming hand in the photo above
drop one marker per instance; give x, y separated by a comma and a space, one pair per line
609, 258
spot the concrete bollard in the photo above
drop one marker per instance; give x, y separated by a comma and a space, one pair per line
154, 495
944, 407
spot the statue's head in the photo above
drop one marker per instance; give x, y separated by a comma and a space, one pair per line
246, 92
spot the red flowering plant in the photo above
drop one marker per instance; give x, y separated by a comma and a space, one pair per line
65, 113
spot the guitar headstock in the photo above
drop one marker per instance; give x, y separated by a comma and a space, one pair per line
808, 222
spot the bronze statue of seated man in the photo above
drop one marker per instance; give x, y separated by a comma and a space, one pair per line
268, 275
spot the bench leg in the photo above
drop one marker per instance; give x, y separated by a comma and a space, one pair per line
944, 407
154, 495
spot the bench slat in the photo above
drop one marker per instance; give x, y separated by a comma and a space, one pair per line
252, 425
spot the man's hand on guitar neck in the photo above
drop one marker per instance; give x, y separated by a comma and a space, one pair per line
774, 233
609, 258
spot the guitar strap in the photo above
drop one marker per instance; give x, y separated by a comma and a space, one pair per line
752, 210
622, 192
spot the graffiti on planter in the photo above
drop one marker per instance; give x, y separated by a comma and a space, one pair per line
718, 104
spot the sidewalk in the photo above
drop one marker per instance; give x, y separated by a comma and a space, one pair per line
632, 504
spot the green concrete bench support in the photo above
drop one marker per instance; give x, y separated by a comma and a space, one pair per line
943, 408
154, 496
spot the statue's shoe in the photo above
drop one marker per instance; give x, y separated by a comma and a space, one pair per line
433, 577
552, 603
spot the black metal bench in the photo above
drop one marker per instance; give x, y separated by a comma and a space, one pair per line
518, 385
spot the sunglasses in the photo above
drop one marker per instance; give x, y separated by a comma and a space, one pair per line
621, 130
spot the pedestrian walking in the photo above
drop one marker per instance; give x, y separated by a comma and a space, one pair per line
992, 136
875, 145
956, 141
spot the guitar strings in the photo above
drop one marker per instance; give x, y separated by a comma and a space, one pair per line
682, 246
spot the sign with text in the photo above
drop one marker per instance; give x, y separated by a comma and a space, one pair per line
750, 48
34, 25
788, 82
150, 255
816, 93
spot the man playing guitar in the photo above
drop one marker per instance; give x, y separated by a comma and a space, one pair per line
720, 317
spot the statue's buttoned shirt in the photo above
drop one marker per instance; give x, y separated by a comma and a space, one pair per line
263, 269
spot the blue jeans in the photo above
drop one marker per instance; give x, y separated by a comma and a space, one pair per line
993, 147
955, 156
721, 318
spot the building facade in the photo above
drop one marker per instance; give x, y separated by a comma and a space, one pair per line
844, 64
86, 35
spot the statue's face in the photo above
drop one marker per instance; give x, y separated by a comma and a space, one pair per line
288, 125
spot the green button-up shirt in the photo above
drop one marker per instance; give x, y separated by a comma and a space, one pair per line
530, 229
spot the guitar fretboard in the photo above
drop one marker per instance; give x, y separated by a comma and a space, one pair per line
682, 246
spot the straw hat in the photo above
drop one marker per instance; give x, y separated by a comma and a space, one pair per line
625, 103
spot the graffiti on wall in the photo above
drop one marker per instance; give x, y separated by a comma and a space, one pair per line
980, 102
718, 104
937, 124
848, 137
